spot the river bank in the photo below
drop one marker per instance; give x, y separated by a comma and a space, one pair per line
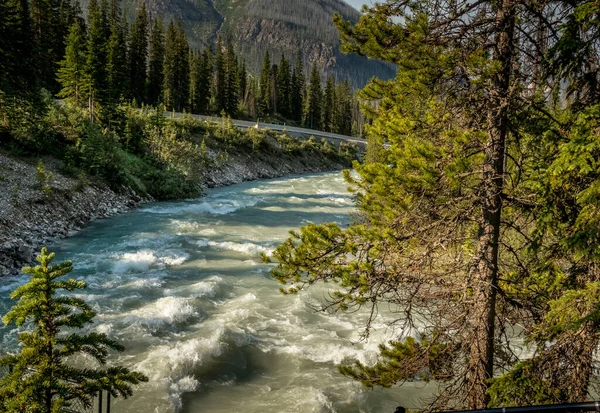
37, 209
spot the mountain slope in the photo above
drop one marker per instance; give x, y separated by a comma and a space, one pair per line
293, 26
279, 26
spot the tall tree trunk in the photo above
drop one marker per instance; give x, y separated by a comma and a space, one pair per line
484, 270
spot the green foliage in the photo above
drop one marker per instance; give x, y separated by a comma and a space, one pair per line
44, 179
42, 378
411, 359
522, 387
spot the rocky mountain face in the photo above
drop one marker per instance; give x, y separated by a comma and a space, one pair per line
279, 26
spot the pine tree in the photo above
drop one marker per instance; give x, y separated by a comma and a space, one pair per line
72, 71
297, 91
40, 378
344, 116
47, 40
284, 86
138, 54
242, 81
329, 106
313, 112
96, 63
156, 63
183, 68
219, 91
20, 77
205, 81
116, 69
170, 69
446, 233
231, 77
176, 68
195, 79
265, 106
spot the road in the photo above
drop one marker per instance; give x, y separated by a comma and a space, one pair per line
290, 130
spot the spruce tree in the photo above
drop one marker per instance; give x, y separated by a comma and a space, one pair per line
72, 72
297, 90
183, 68
176, 68
231, 79
284, 87
313, 112
265, 104
138, 55
169, 69
195, 79
96, 63
219, 88
329, 106
344, 116
242, 81
47, 39
116, 69
156, 63
41, 378
20, 76
205, 81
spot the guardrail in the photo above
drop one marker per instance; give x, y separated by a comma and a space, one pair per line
544, 408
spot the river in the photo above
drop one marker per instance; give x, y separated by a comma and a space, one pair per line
181, 285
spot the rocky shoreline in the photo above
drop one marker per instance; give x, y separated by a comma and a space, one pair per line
34, 212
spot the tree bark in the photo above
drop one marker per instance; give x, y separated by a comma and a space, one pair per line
484, 269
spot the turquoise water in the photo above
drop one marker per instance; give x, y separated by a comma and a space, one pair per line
181, 285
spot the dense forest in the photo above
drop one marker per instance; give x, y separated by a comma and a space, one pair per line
479, 222
102, 69
103, 63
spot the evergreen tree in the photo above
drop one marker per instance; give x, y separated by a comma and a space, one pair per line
183, 68
47, 39
297, 91
284, 86
176, 68
195, 79
344, 116
72, 72
20, 77
41, 380
204, 83
242, 81
448, 213
156, 63
96, 63
312, 112
231, 78
170, 69
329, 106
116, 69
219, 88
138, 54
265, 107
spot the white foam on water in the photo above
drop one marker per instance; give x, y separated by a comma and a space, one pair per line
174, 365
203, 242
205, 288
176, 389
213, 206
246, 248
142, 260
152, 282
164, 311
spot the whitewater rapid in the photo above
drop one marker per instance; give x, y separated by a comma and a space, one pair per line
182, 286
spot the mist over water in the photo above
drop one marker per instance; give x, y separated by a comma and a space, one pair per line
181, 285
